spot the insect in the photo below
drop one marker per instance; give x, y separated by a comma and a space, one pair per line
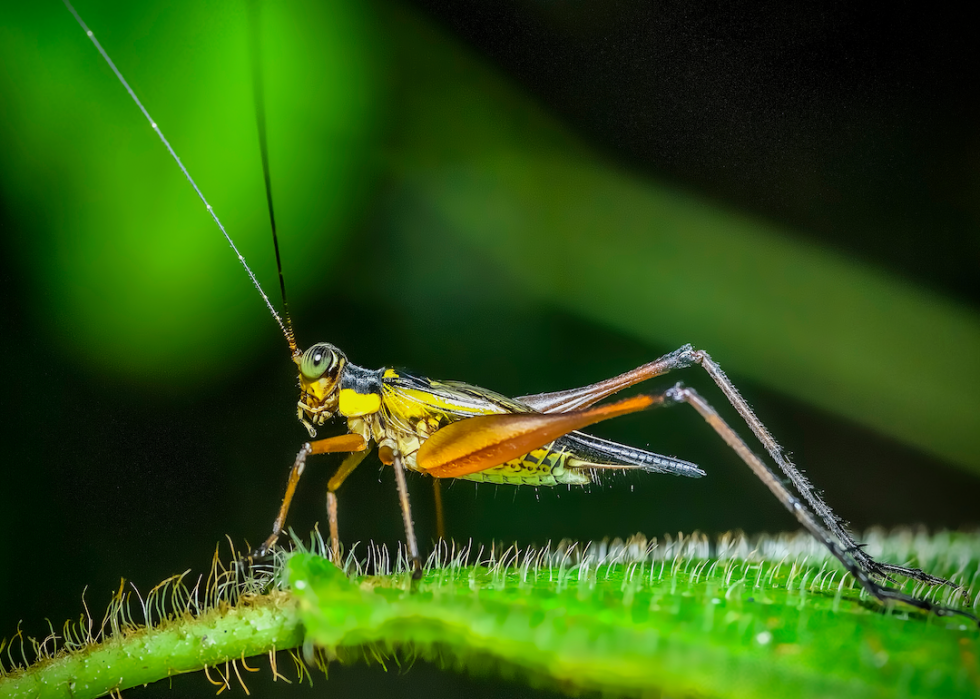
447, 429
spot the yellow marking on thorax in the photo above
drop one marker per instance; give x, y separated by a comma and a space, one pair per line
353, 404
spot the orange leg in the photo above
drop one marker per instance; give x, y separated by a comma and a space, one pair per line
338, 444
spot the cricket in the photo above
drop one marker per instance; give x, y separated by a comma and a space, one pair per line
454, 430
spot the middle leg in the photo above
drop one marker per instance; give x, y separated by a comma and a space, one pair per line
345, 469
340, 443
440, 517
395, 459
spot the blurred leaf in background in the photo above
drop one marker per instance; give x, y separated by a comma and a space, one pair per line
125, 266
132, 276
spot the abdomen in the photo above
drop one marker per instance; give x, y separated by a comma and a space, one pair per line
542, 467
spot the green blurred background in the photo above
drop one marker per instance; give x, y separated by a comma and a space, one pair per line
526, 195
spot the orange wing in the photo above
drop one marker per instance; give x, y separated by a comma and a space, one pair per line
478, 443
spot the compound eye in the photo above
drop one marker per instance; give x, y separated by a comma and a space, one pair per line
318, 360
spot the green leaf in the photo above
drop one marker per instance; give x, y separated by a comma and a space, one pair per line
674, 622
762, 618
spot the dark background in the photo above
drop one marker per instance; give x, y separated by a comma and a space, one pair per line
855, 127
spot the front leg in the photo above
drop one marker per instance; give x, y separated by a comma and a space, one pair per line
340, 443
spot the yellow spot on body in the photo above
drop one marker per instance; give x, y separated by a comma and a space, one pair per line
353, 404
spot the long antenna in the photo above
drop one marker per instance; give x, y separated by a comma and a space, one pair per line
258, 92
287, 331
